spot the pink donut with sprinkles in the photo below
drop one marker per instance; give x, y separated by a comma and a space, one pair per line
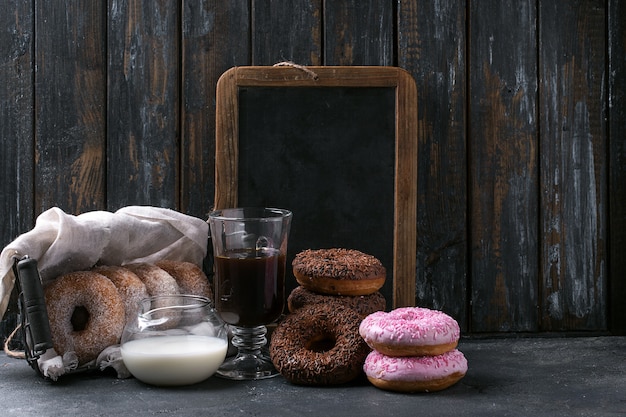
415, 374
410, 331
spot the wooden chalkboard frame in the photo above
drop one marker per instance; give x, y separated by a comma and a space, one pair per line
405, 179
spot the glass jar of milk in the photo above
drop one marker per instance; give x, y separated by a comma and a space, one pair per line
174, 340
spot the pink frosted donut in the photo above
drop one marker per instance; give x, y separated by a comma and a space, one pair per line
413, 374
410, 331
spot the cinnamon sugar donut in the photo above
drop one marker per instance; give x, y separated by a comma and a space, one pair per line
131, 289
86, 314
413, 374
156, 280
338, 271
319, 344
362, 304
189, 277
410, 331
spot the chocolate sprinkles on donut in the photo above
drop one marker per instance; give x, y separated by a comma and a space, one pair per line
338, 271
319, 344
362, 304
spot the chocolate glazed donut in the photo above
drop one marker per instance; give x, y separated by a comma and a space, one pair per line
338, 271
319, 345
362, 304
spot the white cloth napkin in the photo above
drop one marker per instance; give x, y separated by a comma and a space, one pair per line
63, 243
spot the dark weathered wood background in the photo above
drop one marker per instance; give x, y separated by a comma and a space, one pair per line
522, 129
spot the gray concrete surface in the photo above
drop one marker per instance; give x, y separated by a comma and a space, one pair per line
583, 376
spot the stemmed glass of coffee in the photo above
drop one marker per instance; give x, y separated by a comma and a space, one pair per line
250, 248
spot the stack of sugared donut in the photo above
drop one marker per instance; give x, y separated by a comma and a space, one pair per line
347, 276
414, 350
87, 310
319, 342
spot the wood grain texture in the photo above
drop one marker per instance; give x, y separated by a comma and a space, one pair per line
287, 31
358, 32
16, 131
70, 86
431, 39
215, 38
503, 166
143, 103
405, 204
617, 163
573, 165
16, 121
521, 193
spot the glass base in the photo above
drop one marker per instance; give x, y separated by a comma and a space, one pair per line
252, 360
247, 367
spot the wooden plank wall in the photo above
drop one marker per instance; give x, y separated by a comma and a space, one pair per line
522, 144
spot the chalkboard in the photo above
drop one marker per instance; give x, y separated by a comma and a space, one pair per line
337, 146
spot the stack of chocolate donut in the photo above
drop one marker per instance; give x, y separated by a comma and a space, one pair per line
414, 350
88, 310
347, 276
319, 342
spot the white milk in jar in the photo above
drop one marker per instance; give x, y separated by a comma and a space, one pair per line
174, 360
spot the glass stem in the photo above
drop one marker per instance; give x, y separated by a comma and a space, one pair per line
249, 340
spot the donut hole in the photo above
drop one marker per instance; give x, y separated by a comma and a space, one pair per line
80, 318
321, 343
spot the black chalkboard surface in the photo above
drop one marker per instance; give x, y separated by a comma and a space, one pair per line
327, 146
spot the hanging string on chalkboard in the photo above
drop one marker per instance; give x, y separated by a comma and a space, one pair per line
310, 73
